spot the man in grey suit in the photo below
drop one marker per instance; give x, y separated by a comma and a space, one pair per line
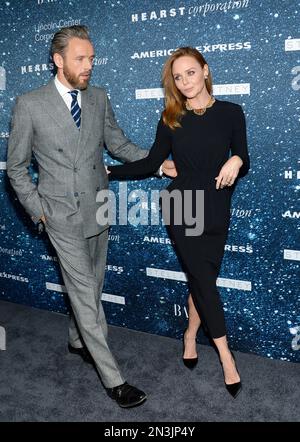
65, 124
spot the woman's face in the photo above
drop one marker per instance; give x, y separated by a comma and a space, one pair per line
189, 76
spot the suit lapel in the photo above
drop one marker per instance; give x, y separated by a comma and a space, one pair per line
87, 116
57, 109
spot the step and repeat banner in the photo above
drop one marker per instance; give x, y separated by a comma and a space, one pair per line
252, 48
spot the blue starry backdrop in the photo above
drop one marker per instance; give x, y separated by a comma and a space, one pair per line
252, 48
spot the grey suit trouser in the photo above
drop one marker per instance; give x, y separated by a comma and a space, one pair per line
82, 262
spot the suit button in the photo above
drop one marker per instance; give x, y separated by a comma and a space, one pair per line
75, 193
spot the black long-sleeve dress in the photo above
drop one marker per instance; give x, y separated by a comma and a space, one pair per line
200, 148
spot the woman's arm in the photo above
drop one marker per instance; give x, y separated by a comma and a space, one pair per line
158, 152
238, 144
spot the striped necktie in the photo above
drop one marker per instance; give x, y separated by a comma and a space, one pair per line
75, 109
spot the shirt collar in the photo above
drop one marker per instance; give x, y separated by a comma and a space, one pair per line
62, 89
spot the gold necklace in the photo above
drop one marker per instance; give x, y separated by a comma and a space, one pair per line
202, 110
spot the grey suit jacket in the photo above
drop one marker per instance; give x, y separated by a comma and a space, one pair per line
71, 168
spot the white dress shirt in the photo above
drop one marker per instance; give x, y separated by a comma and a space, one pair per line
64, 92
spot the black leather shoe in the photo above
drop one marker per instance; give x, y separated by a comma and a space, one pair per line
236, 388
126, 395
83, 352
189, 362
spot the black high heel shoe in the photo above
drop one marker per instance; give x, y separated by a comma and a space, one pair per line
189, 362
233, 389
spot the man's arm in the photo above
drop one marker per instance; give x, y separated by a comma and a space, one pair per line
115, 140
19, 159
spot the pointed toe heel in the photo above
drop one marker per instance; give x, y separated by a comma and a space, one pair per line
234, 389
190, 362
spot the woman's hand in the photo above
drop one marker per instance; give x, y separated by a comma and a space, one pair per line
107, 171
229, 172
169, 169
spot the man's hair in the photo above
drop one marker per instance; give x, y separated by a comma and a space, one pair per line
61, 38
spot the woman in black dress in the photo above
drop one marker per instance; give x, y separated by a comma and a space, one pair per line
200, 131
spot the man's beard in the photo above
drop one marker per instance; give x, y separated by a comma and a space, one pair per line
74, 80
